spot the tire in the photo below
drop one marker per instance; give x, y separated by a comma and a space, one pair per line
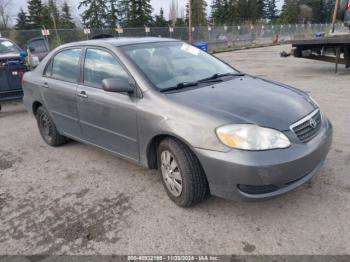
47, 128
297, 52
194, 185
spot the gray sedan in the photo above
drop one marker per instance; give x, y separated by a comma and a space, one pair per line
167, 105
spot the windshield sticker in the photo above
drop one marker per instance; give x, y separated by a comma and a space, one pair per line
190, 49
7, 43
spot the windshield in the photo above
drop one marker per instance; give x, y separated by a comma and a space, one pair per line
7, 46
168, 64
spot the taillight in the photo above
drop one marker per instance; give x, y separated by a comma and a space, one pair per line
348, 5
21, 74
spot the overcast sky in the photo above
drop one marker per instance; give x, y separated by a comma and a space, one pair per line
157, 4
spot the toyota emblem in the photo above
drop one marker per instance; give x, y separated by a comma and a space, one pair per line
313, 123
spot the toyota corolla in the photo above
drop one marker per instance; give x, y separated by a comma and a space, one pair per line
166, 105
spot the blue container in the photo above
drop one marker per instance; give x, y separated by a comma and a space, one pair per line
202, 46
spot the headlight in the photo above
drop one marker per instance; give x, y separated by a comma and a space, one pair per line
313, 102
251, 137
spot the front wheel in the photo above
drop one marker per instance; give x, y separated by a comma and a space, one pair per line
48, 129
182, 175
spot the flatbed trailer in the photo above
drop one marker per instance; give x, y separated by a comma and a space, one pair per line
335, 49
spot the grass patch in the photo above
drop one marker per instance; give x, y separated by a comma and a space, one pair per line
237, 48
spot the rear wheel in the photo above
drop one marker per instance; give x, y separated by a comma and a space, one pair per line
48, 129
182, 175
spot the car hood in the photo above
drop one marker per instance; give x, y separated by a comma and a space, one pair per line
9, 55
249, 100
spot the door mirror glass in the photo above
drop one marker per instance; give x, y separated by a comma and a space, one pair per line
117, 85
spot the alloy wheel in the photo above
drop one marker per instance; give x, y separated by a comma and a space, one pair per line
171, 173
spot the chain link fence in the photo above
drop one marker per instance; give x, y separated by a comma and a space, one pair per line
217, 37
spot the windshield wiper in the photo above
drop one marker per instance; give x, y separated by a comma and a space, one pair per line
214, 78
217, 76
179, 86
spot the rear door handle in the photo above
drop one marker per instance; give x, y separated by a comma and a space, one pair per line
46, 85
82, 94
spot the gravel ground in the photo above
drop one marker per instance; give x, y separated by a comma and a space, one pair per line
77, 199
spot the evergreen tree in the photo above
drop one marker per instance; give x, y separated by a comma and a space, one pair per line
95, 13
46, 17
290, 12
66, 20
50, 14
143, 12
160, 19
113, 14
309, 10
124, 7
218, 12
232, 16
35, 11
271, 10
138, 13
321, 10
199, 14
326, 11
22, 21
257, 10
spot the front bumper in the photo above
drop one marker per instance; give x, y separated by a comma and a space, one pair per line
275, 171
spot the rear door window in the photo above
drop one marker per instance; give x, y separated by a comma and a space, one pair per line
100, 65
66, 65
39, 46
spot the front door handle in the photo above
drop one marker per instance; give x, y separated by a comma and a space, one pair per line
82, 94
46, 85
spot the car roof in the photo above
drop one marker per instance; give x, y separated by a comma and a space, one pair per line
122, 41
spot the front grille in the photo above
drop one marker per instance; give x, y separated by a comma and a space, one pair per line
257, 190
307, 128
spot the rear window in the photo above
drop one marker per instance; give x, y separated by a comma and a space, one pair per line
39, 46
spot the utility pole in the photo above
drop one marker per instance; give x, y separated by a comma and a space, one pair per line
55, 27
335, 15
190, 21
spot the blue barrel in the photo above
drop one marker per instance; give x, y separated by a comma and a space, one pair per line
202, 46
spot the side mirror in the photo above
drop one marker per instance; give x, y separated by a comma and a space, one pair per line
117, 85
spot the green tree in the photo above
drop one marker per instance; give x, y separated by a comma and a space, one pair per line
199, 14
321, 11
143, 14
22, 21
35, 12
159, 20
232, 15
270, 10
124, 8
258, 8
290, 12
309, 10
326, 11
219, 13
113, 13
136, 13
66, 20
45, 17
50, 14
95, 13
